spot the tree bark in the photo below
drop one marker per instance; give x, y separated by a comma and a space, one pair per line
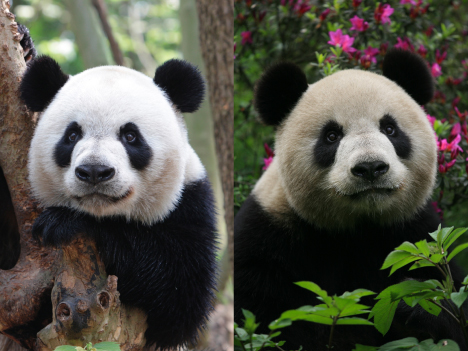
85, 300
216, 40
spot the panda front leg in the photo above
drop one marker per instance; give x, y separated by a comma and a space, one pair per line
57, 226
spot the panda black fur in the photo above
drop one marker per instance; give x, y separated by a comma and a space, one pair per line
110, 158
354, 170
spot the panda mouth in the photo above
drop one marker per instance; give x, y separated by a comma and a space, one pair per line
104, 197
372, 191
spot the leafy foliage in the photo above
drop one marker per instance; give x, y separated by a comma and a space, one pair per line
434, 296
102, 346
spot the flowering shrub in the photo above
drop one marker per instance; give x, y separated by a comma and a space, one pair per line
324, 37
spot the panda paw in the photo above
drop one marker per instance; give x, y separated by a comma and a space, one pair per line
57, 226
29, 51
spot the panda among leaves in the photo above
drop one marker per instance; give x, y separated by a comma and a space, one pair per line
352, 178
110, 158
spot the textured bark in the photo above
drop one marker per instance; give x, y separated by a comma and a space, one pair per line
87, 306
75, 275
216, 40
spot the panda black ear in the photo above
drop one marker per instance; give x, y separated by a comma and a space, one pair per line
278, 90
41, 82
410, 72
182, 83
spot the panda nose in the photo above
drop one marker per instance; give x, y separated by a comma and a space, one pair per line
94, 174
370, 170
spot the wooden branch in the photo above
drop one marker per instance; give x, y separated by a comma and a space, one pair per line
101, 8
85, 303
25, 287
216, 39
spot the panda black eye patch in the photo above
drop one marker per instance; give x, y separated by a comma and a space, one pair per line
137, 149
399, 139
64, 148
327, 144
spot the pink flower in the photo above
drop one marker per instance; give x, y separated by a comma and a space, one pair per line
431, 119
270, 153
368, 56
440, 57
356, 3
344, 41
382, 14
403, 2
456, 129
324, 15
456, 101
267, 162
422, 50
429, 30
404, 44
246, 37
436, 70
358, 24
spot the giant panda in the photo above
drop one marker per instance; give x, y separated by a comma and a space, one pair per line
110, 158
354, 170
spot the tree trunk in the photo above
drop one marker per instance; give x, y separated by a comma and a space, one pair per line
216, 40
88, 309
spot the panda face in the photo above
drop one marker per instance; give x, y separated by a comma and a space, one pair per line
111, 143
356, 147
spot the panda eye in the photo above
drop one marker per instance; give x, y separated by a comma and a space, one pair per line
73, 136
130, 137
389, 129
332, 136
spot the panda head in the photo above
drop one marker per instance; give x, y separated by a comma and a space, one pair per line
110, 140
353, 147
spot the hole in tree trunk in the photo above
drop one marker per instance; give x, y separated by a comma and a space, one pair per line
9, 234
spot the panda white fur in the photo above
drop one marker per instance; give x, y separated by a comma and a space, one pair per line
354, 170
110, 158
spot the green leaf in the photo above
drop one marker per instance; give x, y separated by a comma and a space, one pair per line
465, 281
435, 234
359, 347
280, 323
407, 287
358, 293
443, 234
430, 307
456, 251
459, 297
403, 263
242, 334
423, 247
421, 264
315, 289
318, 319
399, 344
408, 247
383, 313
454, 236
65, 348
342, 302
107, 346
354, 309
249, 323
353, 321
394, 257
436, 258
